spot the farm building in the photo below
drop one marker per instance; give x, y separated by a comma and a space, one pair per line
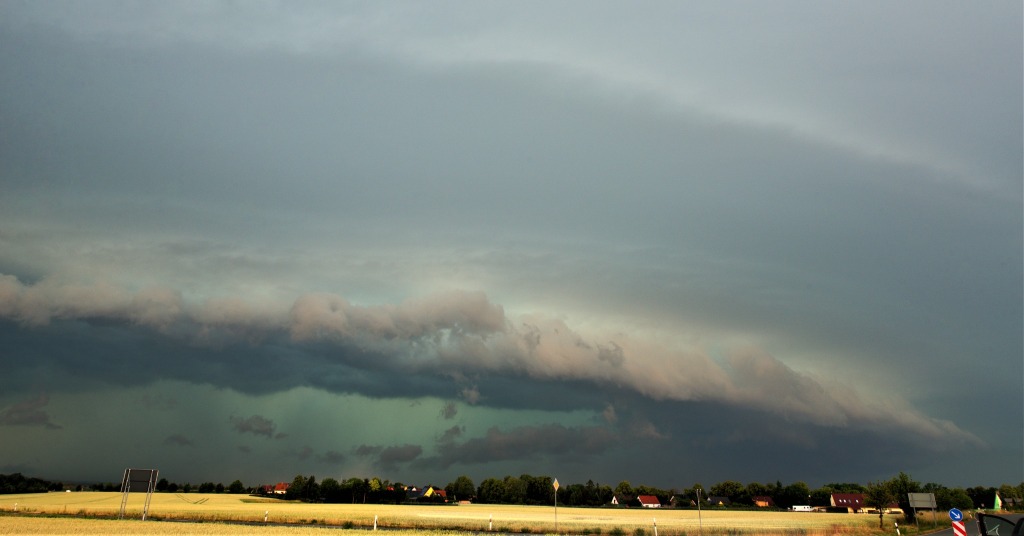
649, 501
853, 502
427, 493
281, 488
719, 501
623, 500
762, 501
680, 501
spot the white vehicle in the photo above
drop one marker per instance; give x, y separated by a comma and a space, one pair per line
802, 508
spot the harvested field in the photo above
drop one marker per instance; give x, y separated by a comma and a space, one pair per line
210, 508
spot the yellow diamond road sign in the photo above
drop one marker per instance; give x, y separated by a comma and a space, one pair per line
555, 484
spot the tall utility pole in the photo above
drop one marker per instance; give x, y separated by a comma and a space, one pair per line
700, 522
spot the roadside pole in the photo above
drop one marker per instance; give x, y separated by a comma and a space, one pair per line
700, 522
555, 485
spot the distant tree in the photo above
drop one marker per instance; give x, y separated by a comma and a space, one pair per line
219, 488
207, 487
296, 490
902, 486
755, 489
879, 495
574, 495
822, 496
236, 487
946, 498
597, 495
846, 487
795, 493
1007, 491
375, 489
461, 489
393, 493
602, 495
311, 491
695, 489
162, 484
981, 496
330, 490
624, 488
491, 491
515, 490
729, 488
172, 487
187, 488
18, 483
354, 489
539, 489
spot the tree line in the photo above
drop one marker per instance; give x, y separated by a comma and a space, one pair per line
528, 489
164, 485
354, 490
18, 483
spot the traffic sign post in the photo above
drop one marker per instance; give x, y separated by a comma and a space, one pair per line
958, 522
555, 485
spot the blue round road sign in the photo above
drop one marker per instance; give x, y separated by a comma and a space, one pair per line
956, 515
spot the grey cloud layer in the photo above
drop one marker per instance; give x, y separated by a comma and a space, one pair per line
28, 413
464, 334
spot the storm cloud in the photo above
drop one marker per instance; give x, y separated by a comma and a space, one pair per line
256, 425
578, 236
527, 443
29, 412
464, 334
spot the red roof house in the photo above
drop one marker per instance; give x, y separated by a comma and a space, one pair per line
649, 501
853, 502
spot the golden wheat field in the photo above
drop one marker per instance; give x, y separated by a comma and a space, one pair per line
76, 513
